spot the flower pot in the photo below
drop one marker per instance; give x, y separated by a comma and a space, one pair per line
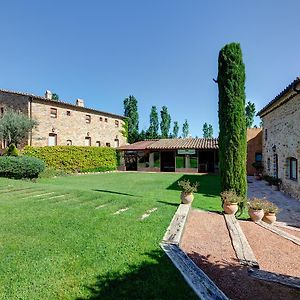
186, 198
269, 218
256, 215
275, 187
230, 208
258, 177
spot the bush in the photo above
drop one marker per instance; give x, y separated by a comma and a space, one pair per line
74, 158
50, 173
20, 167
11, 151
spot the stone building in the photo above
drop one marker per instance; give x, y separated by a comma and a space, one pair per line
62, 123
254, 148
281, 137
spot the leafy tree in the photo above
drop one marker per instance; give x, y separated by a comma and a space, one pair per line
142, 135
15, 126
250, 113
55, 96
205, 130
152, 132
175, 129
131, 112
11, 151
232, 120
185, 129
165, 122
210, 131
124, 130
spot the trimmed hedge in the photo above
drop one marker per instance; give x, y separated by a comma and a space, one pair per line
21, 167
75, 158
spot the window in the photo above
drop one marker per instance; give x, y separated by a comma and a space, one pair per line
105, 120
53, 113
293, 168
52, 139
101, 119
258, 157
116, 123
98, 144
269, 164
68, 113
117, 143
266, 134
87, 141
107, 144
69, 142
88, 119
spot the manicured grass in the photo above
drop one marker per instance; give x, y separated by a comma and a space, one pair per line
60, 238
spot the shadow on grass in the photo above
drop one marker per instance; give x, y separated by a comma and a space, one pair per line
169, 203
233, 279
209, 184
155, 278
116, 193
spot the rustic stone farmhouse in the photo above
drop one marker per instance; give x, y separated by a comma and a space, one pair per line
62, 123
281, 137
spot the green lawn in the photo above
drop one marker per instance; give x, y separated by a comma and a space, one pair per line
60, 238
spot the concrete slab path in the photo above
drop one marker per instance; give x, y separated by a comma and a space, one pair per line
290, 207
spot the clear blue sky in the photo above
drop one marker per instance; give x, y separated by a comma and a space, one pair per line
164, 52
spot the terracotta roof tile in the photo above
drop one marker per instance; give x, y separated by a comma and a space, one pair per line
165, 144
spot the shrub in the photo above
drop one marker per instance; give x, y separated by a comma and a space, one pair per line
20, 167
74, 158
11, 151
270, 207
231, 197
97, 169
50, 173
187, 187
257, 204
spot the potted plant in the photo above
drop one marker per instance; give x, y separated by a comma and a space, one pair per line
270, 211
268, 179
259, 169
230, 202
275, 182
188, 190
256, 209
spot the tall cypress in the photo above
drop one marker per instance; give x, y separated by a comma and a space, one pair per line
154, 124
165, 122
232, 121
131, 111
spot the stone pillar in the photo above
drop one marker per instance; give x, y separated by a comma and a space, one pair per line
151, 159
187, 161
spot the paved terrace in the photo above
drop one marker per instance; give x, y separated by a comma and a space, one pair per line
290, 207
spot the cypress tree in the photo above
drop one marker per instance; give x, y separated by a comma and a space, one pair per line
185, 129
232, 120
175, 130
165, 122
131, 111
152, 132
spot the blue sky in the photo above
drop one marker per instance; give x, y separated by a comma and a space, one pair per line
162, 52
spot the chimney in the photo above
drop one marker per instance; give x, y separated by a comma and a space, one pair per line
48, 95
80, 102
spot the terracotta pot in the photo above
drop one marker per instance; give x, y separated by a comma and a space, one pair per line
230, 208
256, 215
186, 198
275, 187
269, 218
258, 177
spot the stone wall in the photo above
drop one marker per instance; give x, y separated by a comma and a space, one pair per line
254, 145
281, 136
70, 125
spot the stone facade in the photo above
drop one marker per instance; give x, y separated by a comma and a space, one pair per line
281, 139
64, 123
254, 148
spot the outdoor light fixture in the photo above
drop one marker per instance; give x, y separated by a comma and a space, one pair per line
274, 148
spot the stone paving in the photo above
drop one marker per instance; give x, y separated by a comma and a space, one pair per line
289, 207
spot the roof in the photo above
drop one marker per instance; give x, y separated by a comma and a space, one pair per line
173, 144
55, 102
291, 86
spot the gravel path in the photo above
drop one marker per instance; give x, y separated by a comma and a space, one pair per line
206, 240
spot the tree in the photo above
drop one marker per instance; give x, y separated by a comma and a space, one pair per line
142, 135
210, 131
185, 129
15, 127
131, 112
250, 113
232, 120
205, 130
165, 122
175, 129
124, 130
152, 132
55, 97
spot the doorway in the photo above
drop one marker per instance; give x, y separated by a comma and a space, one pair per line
206, 161
167, 161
